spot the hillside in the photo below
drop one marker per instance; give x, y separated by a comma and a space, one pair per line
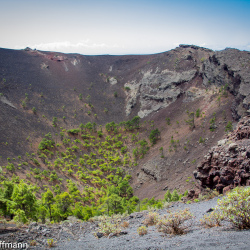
189, 94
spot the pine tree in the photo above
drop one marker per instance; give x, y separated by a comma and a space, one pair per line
48, 200
175, 195
168, 196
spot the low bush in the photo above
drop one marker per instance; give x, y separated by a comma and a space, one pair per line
235, 207
142, 230
213, 219
151, 219
125, 224
174, 222
50, 242
107, 228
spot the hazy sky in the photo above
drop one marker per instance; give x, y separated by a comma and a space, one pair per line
123, 27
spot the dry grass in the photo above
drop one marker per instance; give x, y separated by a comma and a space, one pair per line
174, 222
151, 219
125, 224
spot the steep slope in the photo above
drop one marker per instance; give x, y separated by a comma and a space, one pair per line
45, 92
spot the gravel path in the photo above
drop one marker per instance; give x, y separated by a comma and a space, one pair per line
198, 237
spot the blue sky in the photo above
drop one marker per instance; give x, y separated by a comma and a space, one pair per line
123, 27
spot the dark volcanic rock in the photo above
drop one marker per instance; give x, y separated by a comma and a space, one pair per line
227, 165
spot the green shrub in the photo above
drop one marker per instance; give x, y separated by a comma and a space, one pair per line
175, 195
36, 161
24, 105
198, 112
46, 142
73, 131
168, 196
10, 167
20, 217
54, 121
235, 207
172, 197
229, 127
51, 242
168, 120
212, 126
190, 121
154, 136
201, 140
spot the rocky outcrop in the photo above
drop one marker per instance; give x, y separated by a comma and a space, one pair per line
228, 164
156, 90
231, 67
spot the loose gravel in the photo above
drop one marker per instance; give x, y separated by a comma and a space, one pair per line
197, 237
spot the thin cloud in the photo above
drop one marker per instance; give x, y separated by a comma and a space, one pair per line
67, 46
202, 44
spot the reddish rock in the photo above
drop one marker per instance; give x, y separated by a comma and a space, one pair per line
216, 180
226, 189
229, 164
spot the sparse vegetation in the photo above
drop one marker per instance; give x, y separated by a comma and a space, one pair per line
198, 113
201, 140
168, 120
213, 219
24, 105
106, 227
212, 123
154, 136
174, 222
151, 219
161, 150
142, 230
235, 207
190, 121
229, 127
50, 242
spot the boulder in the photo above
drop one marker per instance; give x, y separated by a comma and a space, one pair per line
227, 166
